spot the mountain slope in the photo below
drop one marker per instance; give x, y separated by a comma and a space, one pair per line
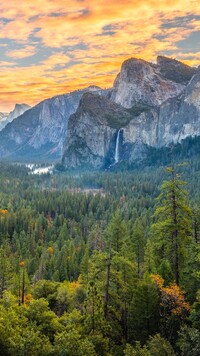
160, 111
92, 130
39, 132
149, 105
151, 84
17, 111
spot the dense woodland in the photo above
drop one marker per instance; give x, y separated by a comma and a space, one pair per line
104, 263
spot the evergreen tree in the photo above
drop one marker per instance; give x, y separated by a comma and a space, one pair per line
172, 229
94, 317
144, 311
138, 239
5, 269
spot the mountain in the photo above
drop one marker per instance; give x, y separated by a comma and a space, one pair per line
160, 111
150, 84
3, 119
3, 115
150, 105
92, 130
39, 132
6, 118
18, 110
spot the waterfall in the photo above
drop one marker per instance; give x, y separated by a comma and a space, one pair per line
117, 145
116, 156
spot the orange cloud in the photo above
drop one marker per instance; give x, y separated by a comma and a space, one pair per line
87, 41
5, 64
22, 53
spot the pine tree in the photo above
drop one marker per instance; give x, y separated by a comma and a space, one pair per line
138, 239
5, 268
115, 275
94, 316
172, 230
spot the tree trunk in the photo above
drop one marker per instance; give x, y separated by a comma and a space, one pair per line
175, 231
106, 299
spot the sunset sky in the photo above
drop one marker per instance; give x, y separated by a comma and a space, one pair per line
50, 47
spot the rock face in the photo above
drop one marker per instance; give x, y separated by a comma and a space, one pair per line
39, 133
174, 70
3, 115
176, 119
159, 111
180, 117
150, 84
18, 110
92, 130
3, 120
149, 105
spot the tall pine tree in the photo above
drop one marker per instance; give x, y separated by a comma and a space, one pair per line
171, 232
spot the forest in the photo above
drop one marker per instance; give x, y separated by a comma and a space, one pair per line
100, 263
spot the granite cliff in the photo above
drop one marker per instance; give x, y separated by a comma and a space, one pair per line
92, 131
150, 105
161, 102
39, 132
18, 110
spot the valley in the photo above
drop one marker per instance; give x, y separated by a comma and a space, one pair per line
100, 178
100, 217
56, 231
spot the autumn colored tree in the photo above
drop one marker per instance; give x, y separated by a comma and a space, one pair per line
174, 309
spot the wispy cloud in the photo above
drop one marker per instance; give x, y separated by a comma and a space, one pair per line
24, 52
86, 42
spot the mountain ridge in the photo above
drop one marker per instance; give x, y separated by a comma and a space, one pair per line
152, 124
152, 103
40, 130
18, 110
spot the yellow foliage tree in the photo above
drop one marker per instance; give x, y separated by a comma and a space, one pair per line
174, 309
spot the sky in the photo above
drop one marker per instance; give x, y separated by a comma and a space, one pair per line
51, 47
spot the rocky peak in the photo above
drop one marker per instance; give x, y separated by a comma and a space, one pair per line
174, 70
41, 130
18, 110
134, 69
7, 118
92, 102
93, 88
153, 104
140, 82
102, 110
3, 120
92, 131
3, 115
150, 104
